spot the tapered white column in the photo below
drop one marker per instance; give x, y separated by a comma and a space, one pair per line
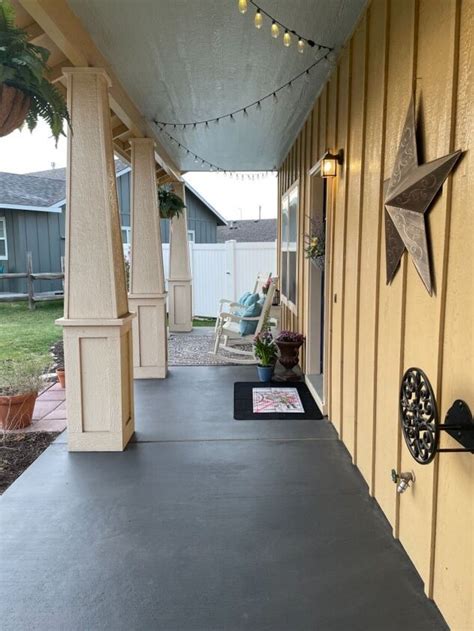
147, 296
97, 323
180, 281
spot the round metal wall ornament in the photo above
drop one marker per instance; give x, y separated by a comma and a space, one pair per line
419, 415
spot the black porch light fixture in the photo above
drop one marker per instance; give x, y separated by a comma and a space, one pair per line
329, 163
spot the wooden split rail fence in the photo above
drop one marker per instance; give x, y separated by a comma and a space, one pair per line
32, 296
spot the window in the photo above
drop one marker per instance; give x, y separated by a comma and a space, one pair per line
191, 236
126, 235
3, 240
289, 243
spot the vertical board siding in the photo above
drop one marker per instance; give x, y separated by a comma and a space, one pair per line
355, 160
370, 236
375, 331
455, 492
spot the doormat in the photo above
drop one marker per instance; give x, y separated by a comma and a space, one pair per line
256, 401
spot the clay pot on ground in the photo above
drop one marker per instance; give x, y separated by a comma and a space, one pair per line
60, 374
14, 106
16, 411
289, 353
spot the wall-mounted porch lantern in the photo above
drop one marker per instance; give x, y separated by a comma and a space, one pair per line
329, 163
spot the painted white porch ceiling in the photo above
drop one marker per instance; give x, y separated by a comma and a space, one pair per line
186, 60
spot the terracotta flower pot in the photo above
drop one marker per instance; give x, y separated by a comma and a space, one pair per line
14, 106
289, 353
16, 412
61, 377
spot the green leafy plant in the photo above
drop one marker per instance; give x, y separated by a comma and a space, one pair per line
171, 205
265, 349
23, 67
315, 243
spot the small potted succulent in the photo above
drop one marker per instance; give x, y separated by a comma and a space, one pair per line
26, 94
289, 344
265, 351
170, 204
19, 387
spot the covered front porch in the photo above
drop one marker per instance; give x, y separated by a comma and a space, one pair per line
204, 523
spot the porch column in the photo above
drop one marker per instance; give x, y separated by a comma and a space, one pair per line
180, 281
97, 323
147, 281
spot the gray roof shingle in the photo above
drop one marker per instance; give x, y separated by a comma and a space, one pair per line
27, 190
248, 230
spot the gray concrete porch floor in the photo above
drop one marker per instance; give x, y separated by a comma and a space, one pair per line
204, 523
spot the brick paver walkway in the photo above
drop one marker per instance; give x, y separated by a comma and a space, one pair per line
50, 411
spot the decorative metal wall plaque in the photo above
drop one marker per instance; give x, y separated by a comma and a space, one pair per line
407, 197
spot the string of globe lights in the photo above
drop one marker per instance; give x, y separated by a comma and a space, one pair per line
205, 163
277, 26
245, 110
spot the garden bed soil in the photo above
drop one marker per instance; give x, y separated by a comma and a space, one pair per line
18, 452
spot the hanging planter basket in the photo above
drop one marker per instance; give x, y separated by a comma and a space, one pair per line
14, 106
170, 204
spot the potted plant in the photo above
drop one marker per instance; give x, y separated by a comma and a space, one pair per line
171, 205
61, 375
26, 94
19, 386
315, 244
289, 344
265, 351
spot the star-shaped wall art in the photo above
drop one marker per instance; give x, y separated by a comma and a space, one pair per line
407, 197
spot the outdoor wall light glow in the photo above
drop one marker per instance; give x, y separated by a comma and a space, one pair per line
329, 163
243, 6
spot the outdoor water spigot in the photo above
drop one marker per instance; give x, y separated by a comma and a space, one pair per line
403, 480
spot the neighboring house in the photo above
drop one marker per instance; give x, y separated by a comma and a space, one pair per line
32, 219
248, 231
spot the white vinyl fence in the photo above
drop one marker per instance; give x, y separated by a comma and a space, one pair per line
224, 270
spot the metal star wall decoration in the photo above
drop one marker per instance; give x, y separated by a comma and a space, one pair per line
407, 197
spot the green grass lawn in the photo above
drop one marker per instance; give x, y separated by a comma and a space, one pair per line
25, 334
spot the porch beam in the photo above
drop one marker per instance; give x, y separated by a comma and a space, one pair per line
180, 280
66, 31
147, 281
97, 323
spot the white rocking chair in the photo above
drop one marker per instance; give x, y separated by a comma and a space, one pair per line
228, 336
229, 306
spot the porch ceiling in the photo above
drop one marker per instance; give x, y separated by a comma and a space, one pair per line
188, 60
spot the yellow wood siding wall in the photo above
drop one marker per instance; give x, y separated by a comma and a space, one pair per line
374, 331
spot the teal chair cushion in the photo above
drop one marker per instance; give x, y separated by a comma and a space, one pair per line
251, 300
253, 311
243, 297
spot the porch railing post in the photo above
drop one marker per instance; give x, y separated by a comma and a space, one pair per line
180, 280
147, 281
97, 323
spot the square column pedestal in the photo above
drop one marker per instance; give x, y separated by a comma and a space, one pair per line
98, 356
150, 349
180, 305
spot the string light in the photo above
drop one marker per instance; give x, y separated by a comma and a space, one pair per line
197, 158
258, 20
277, 25
255, 104
243, 6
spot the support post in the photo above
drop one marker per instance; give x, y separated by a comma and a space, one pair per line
29, 280
180, 280
147, 296
97, 323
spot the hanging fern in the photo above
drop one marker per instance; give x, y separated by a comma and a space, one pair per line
170, 204
24, 66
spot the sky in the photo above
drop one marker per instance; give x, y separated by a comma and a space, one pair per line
236, 197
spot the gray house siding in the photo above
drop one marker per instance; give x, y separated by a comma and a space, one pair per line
42, 234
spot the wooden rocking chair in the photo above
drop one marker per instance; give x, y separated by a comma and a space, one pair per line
228, 336
229, 306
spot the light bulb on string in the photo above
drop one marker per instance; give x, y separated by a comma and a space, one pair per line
306, 76
301, 45
259, 106
232, 119
243, 6
275, 29
289, 86
287, 39
258, 20
245, 113
217, 121
275, 97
